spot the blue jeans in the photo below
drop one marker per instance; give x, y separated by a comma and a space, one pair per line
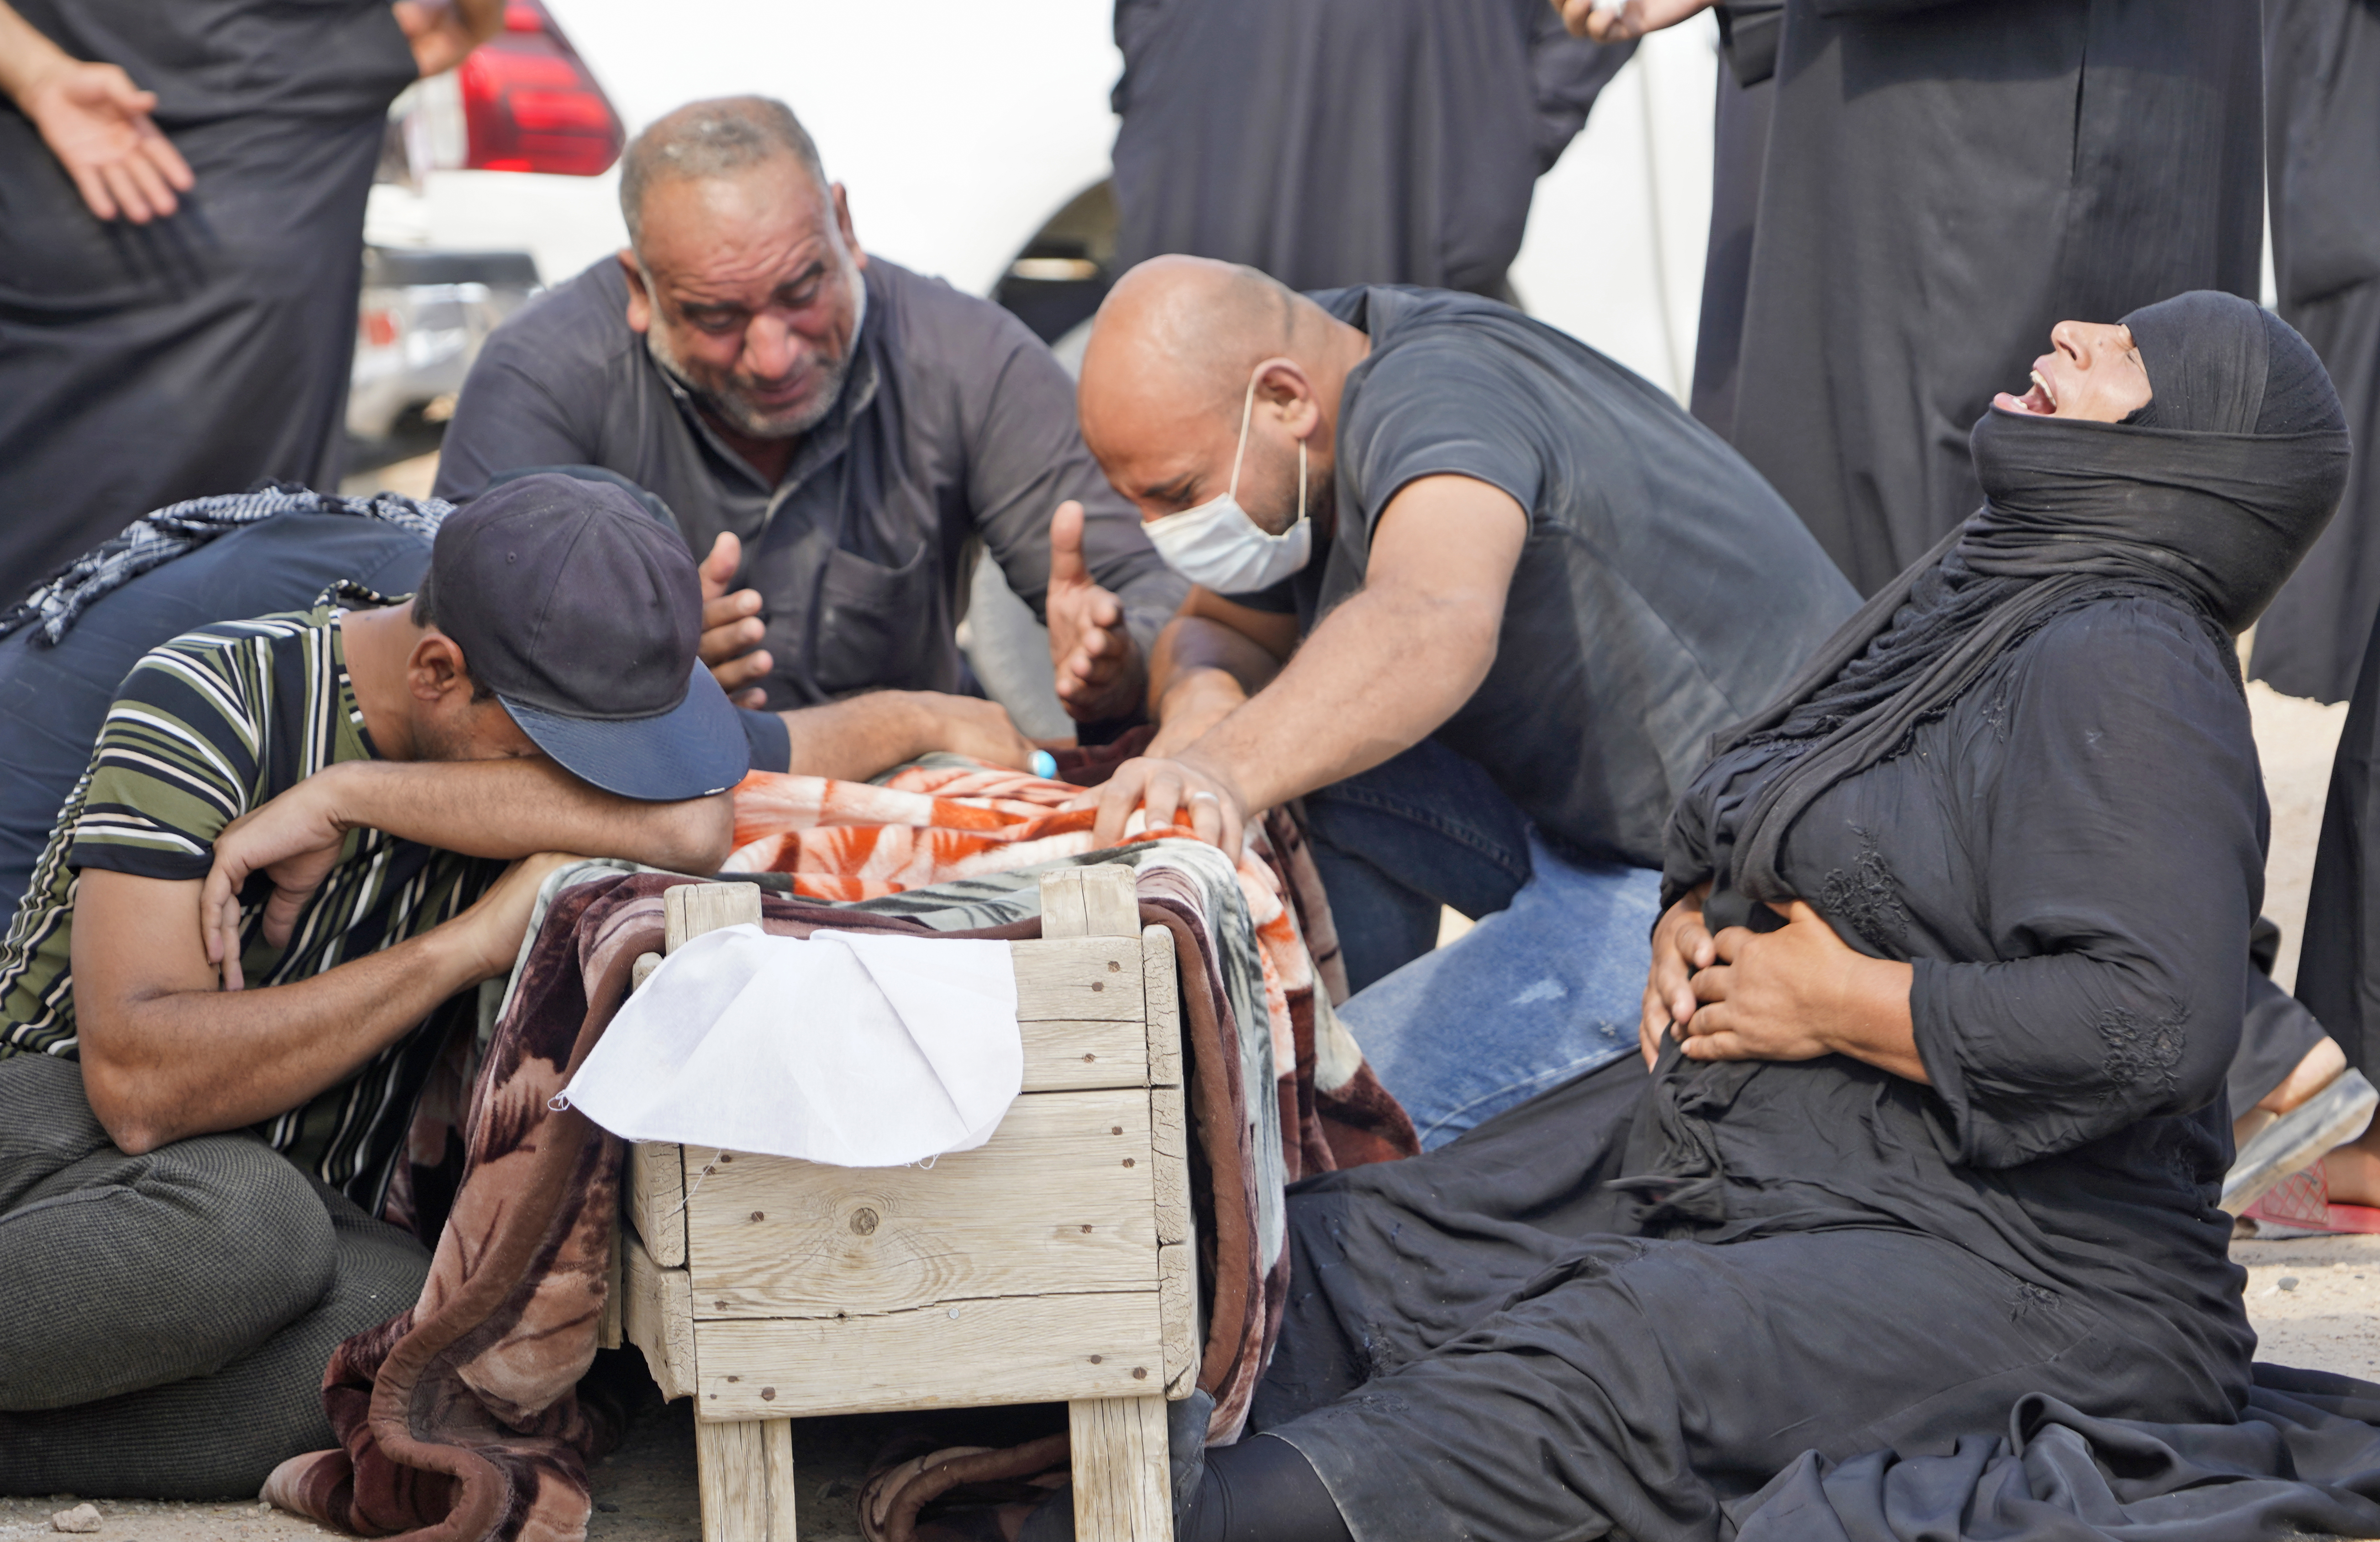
1547, 985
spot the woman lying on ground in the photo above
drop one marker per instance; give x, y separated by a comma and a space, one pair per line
1948, 979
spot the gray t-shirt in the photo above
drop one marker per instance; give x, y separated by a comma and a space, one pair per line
1663, 592
955, 426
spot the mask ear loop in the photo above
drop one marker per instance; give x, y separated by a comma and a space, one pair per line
1247, 415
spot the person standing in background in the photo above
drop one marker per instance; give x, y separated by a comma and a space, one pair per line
1941, 183
2322, 127
1328, 142
182, 194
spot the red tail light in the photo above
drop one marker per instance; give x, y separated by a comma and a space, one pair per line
530, 103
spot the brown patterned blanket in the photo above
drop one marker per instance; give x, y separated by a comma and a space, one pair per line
462, 1420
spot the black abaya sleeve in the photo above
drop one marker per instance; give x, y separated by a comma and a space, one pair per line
2107, 794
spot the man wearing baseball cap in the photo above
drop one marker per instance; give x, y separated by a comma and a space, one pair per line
259, 917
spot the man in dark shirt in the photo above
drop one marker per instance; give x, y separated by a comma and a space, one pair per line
1476, 593
833, 433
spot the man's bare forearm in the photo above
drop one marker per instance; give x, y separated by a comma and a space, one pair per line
183, 1062
508, 809
1378, 675
1193, 645
854, 739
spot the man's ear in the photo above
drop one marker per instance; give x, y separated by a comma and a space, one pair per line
434, 670
1283, 384
843, 224
640, 303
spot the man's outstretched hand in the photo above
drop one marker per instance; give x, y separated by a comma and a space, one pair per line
96, 122
1182, 789
732, 628
1099, 672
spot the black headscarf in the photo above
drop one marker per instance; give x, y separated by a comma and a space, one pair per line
2210, 495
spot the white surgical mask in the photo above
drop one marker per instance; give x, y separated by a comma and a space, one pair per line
1217, 545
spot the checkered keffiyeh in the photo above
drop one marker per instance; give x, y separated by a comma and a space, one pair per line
158, 538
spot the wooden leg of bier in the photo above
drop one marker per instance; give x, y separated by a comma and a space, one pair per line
777, 1448
744, 1473
1122, 1489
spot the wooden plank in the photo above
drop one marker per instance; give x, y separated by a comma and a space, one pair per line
642, 970
691, 909
1169, 1144
743, 1472
1110, 901
1162, 987
607, 1327
1177, 1311
1101, 901
655, 1195
777, 1451
953, 1355
1059, 1200
1073, 1057
1123, 1492
657, 1315
1093, 979
1062, 905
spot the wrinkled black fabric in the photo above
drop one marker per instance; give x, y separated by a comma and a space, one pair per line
2322, 137
141, 365
1345, 141
2339, 966
1939, 185
2304, 1456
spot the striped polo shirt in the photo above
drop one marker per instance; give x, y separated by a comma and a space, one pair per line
216, 722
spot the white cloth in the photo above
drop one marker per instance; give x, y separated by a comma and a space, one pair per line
851, 1049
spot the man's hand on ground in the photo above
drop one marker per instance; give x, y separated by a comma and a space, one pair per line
1184, 789
493, 928
96, 122
732, 627
1098, 669
1682, 945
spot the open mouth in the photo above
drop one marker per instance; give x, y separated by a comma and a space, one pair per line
2038, 402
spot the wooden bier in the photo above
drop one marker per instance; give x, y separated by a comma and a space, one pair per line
1054, 1263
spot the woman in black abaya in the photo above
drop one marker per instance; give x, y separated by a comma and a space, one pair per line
1941, 1010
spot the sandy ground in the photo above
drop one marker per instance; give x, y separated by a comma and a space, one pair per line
2312, 1301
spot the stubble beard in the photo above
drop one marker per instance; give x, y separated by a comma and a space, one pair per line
739, 414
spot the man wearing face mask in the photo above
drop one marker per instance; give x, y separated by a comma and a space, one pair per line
831, 432
1476, 593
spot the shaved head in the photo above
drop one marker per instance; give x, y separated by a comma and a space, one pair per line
1194, 321
1172, 357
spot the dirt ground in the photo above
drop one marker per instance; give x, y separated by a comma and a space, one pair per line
2312, 1301
2316, 1303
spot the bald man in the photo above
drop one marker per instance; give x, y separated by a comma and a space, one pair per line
836, 437
1476, 593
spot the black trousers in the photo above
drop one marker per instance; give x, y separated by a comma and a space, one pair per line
165, 1319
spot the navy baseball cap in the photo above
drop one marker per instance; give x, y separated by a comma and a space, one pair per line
584, 616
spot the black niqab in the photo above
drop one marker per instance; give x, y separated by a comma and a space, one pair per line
2214, 499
